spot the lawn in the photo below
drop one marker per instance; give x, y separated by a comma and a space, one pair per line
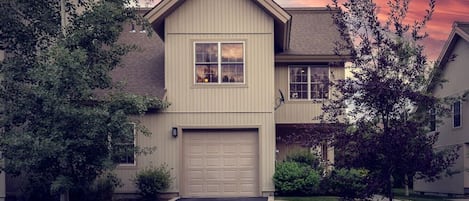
398, 194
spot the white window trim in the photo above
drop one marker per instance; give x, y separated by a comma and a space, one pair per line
309, 82
218, 63
135, 155
460, 115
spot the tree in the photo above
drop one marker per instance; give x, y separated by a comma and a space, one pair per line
60, 118
388, 136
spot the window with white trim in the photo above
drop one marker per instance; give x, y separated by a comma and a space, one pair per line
308, 82
219, 62
457, 114
124, 146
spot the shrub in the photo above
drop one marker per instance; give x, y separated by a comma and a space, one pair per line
102, 189
305, 157
348, 183
151, 181
295, 178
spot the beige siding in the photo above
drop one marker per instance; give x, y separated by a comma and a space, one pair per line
168, 148
298, 111
453, 184
219, 16
457, 83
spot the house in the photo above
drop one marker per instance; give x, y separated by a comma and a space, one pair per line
453, 62
237, 74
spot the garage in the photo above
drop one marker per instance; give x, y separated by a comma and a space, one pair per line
220, 163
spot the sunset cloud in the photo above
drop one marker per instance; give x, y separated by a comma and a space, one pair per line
446, 12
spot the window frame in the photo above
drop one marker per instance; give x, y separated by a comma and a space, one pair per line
219, 63
432, 121
134, 145
458, 114
308, 82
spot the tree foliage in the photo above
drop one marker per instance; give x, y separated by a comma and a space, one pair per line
57, 128
390, 74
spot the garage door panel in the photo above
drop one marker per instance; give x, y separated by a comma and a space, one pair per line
220, 164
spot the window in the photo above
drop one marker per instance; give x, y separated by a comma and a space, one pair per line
219, 62
308, 82
457, 114
433, 119
124, 146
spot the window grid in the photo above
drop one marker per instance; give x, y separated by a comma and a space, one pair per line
126, 149
222, 69
308, 82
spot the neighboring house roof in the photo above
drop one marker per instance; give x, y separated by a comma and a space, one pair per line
460, 31
141, 71
282, 19
313, 36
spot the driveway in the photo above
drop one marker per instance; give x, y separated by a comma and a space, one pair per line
224, 199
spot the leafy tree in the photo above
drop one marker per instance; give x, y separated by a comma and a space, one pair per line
390, 72
58, 118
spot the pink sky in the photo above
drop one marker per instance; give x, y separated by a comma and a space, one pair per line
446, 12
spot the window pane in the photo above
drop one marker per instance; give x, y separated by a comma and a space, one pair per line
457, 114
299, 91
433, 119
319, 83
232, 52
206, 52
232, 73
206, 73
299, 74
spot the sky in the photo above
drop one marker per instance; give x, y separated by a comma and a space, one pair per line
446, 12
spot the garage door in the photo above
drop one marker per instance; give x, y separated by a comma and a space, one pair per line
221, 163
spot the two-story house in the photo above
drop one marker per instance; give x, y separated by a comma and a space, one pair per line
453, 61
237, 74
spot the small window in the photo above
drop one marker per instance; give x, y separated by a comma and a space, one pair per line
124, 146
432, 123
457, 114
219, 63
308, 82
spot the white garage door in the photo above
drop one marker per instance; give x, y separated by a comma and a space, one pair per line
220, 163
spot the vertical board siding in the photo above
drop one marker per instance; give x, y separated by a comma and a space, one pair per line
455, 71
298, 111
168, 148
256, 95
218, 16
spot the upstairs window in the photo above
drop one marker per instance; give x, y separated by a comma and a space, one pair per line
219, 62
308, 82
124, 146
457, 114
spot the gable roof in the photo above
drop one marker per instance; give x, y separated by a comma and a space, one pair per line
282, 19
460, 31
313, 36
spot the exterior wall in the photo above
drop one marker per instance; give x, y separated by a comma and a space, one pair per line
455, 73
298, 111
248, 105
168, 148
447, 185
457, 83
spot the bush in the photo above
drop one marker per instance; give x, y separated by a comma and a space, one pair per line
153, 180
305, 157
295, 178
102, 189
348, 183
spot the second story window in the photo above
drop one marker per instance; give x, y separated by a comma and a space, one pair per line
219, 62
457, 114
309, 82
124, 146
